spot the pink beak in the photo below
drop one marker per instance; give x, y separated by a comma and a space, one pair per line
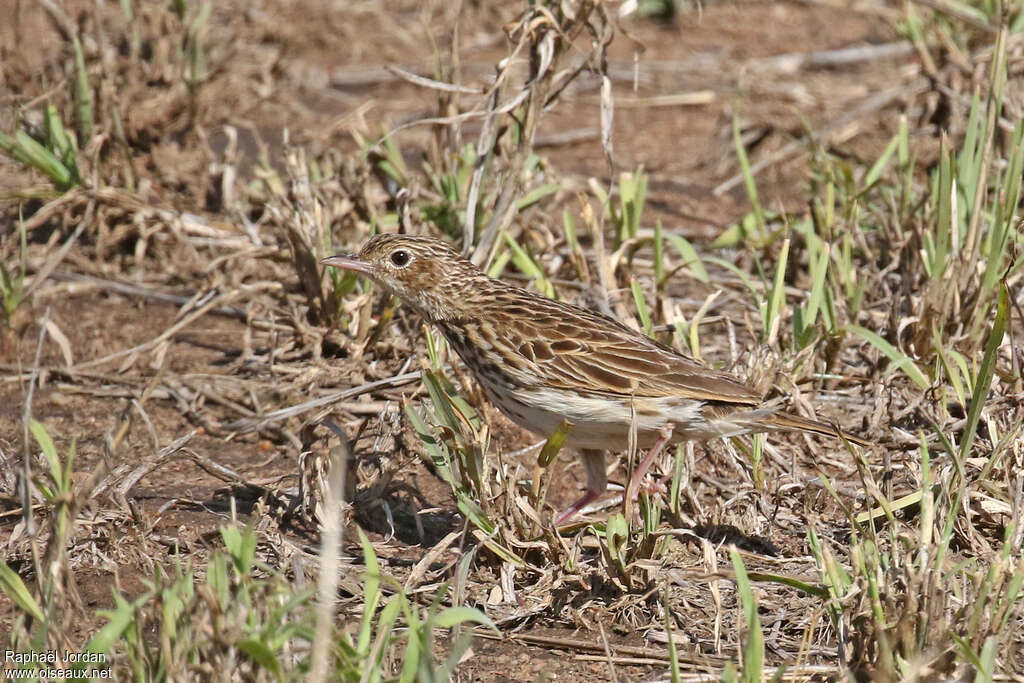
348, 262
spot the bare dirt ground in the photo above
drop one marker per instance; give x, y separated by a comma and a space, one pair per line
319, 72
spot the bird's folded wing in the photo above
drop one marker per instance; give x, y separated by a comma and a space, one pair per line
573, 348
621, 361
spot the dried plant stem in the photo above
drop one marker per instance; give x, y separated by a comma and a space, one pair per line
331, 543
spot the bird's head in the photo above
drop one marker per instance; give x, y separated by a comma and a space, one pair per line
424, 272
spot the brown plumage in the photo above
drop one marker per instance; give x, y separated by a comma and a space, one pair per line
542, 361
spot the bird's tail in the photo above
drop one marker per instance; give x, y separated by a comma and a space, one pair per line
785, 421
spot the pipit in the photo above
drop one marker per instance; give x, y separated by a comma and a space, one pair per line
542, 362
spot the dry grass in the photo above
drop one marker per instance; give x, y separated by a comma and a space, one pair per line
164, 307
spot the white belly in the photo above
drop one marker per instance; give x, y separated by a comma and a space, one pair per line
599, 423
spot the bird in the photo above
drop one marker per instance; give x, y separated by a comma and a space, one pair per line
549, 365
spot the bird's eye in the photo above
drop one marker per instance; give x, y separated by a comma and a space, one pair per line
400, 258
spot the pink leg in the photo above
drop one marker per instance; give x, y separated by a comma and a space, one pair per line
634, 483
597, 482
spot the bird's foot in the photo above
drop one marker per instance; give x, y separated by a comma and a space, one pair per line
654, 486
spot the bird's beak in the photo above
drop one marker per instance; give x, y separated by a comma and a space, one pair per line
348, 262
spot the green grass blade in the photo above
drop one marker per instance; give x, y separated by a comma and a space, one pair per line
119, 620
262, 655
641, 306
14, 588
34, 155
438, 454
82, 95
441, 401
690, 256
753, 645
537, 194
497, 267
875, 172
554, 444
453, 616
803, 586
819, 271
772, 308
371, 593
58, 137
241, 546
748, 179
900, 360
632, 192
48, 448
528, 267
984, 381
731, 267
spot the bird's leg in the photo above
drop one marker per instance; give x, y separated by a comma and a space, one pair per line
597, 482
634, 483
